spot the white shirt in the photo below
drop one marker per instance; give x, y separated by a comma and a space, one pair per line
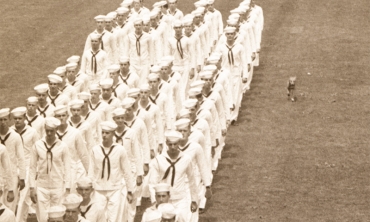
101, 108
47, 111
130, 142
94, 119
6, 215
51, 172
57, 100
77, 147
138, 48
5, 176
14, 145
29, 137
165, 108
88, 64
183, 172
131, 80
180, 50
237, 58
141, 132
108, 165
200, 166
69, 91
108, 44
37, 122
92, 212
84, 128
157, 122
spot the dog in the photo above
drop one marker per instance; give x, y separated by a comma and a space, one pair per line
291, 88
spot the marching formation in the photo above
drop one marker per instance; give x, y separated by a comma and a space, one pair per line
143, 113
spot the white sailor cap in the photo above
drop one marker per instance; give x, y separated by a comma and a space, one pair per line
187, 21
74, 58
146, 19
155, 69
106, 83
112, 14
108, 126
245, 3
182, 123
42, 88
125, 4
200, 4
177, 23
153, 14
201, 9
190, 103
243, 9
84, 95
128, 102
159, 4
229, 29
56, 212
164, 63
109, 18
32, 99
162, 187
84, 182
153, 76
210, 2
113, 68
52, 122
232, 22
133, 92
76, 104
55, 78
171, 1
184, 113
218, 54
168, 210
94, 87
72, 201
129, 1
124, 59
95, 36
197, 84
118, 112
138, 1
213, 59
152, 216
71, 66
4, 112
206, 74
19, 111
122, 10
194, 91
236, 11
144, 87
60, 109
168, 58
211, 68
234, 16
173, 136
196, 13
138, 20
60, 70
100, 18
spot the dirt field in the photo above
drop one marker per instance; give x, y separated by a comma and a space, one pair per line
303, 161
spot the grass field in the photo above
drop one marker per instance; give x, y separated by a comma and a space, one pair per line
303, 161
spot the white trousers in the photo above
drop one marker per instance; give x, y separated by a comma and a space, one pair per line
247, 85
184, 81
142, 70
77, 171
236, 85
46, 198
24, 203
12, 205
112, 202
183, 208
